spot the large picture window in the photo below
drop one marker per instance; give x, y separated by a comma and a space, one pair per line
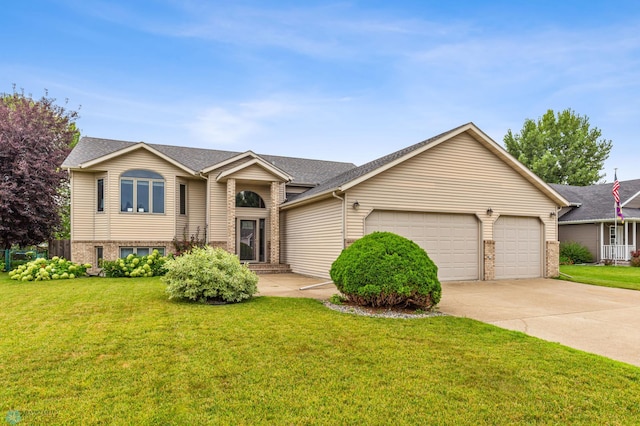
141, 191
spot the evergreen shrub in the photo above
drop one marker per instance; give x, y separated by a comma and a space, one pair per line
385, 269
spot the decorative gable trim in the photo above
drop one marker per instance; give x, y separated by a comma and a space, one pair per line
633, 201
469, 128
224, 175
140, 145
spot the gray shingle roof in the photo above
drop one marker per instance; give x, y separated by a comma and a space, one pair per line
354, 173
597, 202
304, 171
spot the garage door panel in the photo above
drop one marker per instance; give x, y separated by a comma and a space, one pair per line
518, 247
452, 241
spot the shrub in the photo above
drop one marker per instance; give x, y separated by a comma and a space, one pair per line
43, 270
385, 269
186, 244
575, 252
134, 266
635, 258
205, 274
564, 260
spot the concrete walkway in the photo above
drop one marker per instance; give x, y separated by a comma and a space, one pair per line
288, 285
600, 320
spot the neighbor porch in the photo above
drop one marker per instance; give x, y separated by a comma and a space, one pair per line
618, 241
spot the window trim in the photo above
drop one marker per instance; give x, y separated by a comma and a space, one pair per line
153, 181
260, 200
99, 251
182, 199
161, 250
100, 195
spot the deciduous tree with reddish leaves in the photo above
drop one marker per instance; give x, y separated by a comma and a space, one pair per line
35, 138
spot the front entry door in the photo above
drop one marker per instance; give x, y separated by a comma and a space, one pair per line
248, 240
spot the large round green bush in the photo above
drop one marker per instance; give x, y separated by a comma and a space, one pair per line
385, 269
205, 274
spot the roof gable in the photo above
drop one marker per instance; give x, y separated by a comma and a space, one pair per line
360, 174
301, 171
595, 203
255, 161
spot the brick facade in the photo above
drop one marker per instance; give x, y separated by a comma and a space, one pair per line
553, 259
274, 207
489, 260
85, 251
231, 216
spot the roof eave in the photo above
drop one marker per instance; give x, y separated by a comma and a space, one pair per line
139, 145
260, 163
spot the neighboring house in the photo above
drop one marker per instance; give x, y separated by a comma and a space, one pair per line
591, 219
478, 212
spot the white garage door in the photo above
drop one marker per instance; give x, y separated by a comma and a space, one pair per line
451, 240
518, 247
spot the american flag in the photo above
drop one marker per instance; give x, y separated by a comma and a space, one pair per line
616, 196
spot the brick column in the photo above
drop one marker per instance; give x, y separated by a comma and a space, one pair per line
552, 259
231, 215
489, 260
274, 216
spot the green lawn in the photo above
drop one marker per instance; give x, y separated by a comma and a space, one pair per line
116, 351
606, 276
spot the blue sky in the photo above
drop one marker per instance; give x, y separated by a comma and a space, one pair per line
335, 80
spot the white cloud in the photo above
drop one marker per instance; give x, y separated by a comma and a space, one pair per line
238, 124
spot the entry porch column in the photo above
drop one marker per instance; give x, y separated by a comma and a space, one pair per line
274, 216
231, 215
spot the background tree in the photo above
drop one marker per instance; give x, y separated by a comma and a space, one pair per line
35, 137
561, 149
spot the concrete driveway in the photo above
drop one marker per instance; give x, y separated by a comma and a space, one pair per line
600, 320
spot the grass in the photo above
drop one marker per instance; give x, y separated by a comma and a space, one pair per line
606, 276
116, 351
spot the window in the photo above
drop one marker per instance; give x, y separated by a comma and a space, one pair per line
183, 198
249, 199
612, 235
99, 255
140, 251
100, 206
141, 191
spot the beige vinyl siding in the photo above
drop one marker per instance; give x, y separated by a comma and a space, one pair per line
136, 226
196, 206
253, 172
312, 237
182, 221
457, 176
587, 234
102, 223
217, 210
83, 205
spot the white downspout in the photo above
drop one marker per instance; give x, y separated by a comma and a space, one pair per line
343, 217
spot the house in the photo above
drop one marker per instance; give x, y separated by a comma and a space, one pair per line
477, 211
590, 219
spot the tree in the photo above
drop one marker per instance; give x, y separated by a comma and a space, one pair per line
561, 149
35, 137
